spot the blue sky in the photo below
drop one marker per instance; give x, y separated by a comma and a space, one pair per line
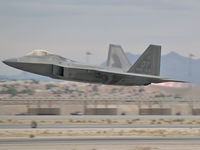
72, 27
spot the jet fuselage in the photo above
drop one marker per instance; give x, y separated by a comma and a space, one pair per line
118, 71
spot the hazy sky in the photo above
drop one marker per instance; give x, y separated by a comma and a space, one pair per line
72, 27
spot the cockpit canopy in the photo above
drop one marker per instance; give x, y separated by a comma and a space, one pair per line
39, 53
52, 57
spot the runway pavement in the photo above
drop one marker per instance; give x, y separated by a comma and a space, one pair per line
101, 140
97, 142
26, 126
25, 117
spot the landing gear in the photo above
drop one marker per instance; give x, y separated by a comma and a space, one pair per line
146, 84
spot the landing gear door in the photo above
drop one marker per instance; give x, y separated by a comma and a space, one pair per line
58, 70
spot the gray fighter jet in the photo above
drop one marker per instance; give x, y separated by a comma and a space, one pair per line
118, 71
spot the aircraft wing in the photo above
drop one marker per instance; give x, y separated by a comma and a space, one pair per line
122, 78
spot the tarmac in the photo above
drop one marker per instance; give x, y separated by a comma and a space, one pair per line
98, 117
49, 126
103, 143
100, 140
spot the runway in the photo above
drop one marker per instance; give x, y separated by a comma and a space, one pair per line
99, 117
101, 140
42, 126
62, 127
47, 119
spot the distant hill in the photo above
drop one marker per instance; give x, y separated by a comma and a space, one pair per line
175, 66
179, 67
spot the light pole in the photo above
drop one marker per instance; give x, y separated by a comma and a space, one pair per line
190, 68
87, 56
190, 65
190, 77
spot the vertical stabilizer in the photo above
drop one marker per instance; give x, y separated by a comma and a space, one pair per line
117, 58
148, 62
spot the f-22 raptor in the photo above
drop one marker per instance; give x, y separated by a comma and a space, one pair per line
119, 71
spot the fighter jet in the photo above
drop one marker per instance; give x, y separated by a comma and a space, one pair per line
118, 71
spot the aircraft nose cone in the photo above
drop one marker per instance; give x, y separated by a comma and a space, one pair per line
10, 62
